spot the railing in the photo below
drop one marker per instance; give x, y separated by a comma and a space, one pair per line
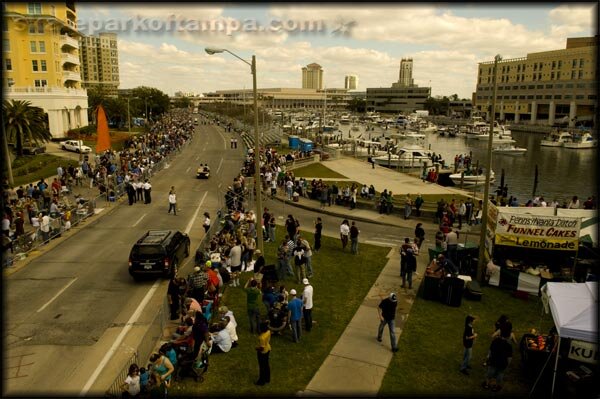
70, 58
46, 90
69, 41
71, 75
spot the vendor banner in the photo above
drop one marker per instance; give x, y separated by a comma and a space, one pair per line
538, 232
586, 352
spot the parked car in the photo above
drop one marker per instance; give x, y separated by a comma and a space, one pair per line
75, 145
32, 148
158, 253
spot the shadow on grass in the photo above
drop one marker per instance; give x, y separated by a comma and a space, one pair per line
341, 281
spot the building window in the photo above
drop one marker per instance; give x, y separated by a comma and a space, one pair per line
538, 97
581, 85
53, 11
10, 82
581, 63
43, 64
31, 28
521, 97
8, 64
552, 76
535, 66
42, 46
523, 87
574, 63
41, 83
549, 86
558, 75
572, 74
530, 97
6, 45
568, 97
531, 87
590, 97
579, 97
540, 86
4, 23
34, 8
559, 64
40, 27
33, 46
34, 65
558, 86
580, 74
514, 97
553, 64
548, 97
557, 97
569, 85
539, 76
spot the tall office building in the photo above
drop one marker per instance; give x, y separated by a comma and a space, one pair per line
41, 62
405, 77
351, 82
100, 62
557, 86
312, 77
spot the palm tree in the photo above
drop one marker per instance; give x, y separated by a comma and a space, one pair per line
24, 123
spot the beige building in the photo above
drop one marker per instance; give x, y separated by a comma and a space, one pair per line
543, 88
41, 62
351, 82
100, 62
405, 78
312, 77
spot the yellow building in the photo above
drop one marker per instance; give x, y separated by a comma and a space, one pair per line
41, 62
100, 62
543, 88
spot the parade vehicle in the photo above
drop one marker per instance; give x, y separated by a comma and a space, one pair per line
158, 253
76, 146
203, 172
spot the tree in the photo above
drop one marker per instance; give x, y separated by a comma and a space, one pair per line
151, 98
454, 97
24, 123
357, 105
182, 102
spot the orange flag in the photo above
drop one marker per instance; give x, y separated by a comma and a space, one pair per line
103, 140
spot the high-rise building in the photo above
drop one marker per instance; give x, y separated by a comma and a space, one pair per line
543, 88
100, 62
312, 77
41, 62
405, 76
351, 82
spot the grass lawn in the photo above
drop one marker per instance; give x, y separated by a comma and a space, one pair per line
30, 168
317, 170
341, 281
430, 347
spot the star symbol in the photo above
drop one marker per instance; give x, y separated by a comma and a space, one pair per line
342, 27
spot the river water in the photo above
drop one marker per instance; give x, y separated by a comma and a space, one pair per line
562, 172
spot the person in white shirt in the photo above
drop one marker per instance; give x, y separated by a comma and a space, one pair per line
344, 233
462, 211
131, 385
206, 223
307, 304
221, 340
172, 201
147, 189
228, 317
574, 204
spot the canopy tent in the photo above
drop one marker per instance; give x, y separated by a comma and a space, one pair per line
574, 308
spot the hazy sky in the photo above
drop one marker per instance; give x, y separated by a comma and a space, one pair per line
162, 45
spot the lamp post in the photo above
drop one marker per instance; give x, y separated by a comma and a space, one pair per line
486, 188
259, 236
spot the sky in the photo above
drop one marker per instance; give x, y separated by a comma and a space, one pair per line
162, 44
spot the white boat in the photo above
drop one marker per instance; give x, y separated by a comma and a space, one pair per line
510, 149
471, 180
556, 139
585, 141
345, 120
496, 139
411, 155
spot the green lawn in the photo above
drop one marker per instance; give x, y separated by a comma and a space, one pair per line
430, 347
29, 168
317, 170
341, 281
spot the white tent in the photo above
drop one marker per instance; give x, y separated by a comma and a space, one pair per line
574, 308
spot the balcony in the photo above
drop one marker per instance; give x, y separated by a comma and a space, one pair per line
72, 76
15, 91
66, 40
67, 58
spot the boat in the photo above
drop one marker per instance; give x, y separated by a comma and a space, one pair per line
411, 155
580, 142
345, 120
442, 131
471, 180
556, 139
510, 149
496, 139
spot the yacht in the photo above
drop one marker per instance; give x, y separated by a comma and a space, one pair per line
510, 149
584, 141
411, 155
556, 139
471, 180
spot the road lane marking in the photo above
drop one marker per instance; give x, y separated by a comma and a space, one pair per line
56, 296
139, 220
220, 164
224, 139
191, 223
134, 317
188, 169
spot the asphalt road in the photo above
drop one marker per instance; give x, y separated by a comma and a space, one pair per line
64, 308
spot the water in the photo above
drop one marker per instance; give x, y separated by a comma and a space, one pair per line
562, 172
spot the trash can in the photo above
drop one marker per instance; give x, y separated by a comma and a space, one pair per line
452, 291
431, 288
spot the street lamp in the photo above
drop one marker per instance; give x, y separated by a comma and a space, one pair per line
211, 51
486, 188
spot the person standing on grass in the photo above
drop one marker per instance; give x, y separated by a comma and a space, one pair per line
318, 231
263, 349
387, 316
500, 356
469, 336
172, 201
295, 315
253, 295
354, 232
307, 302
344, 233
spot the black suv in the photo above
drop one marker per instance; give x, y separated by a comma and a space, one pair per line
158, 252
